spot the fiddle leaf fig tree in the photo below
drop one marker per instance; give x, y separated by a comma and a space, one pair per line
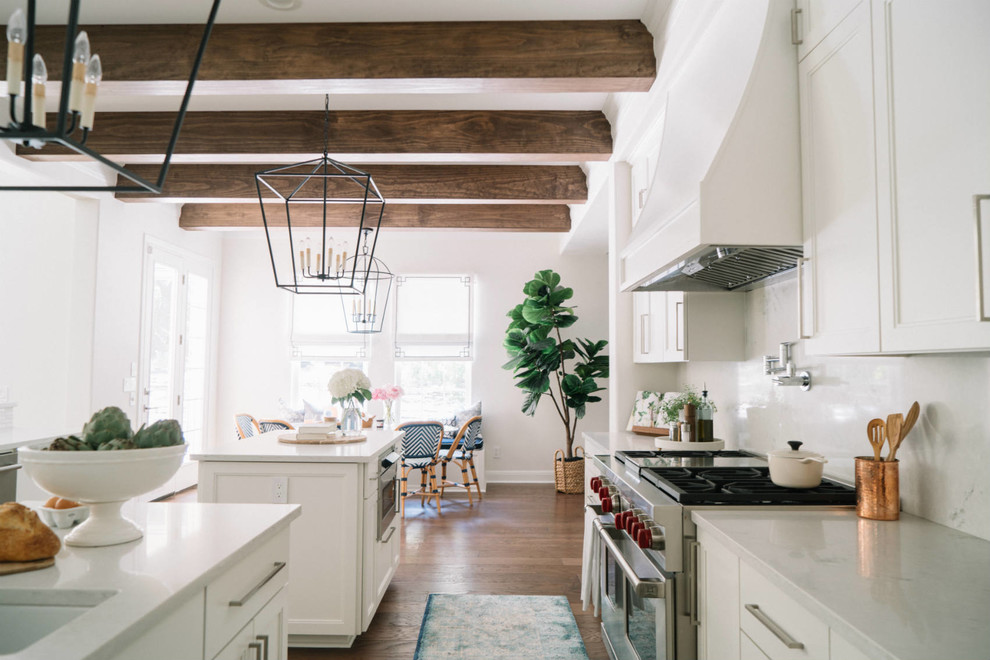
543, 362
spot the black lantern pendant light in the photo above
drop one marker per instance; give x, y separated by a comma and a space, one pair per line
322, 194
365, 314
81, 77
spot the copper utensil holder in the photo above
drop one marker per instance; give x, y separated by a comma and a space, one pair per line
877, 489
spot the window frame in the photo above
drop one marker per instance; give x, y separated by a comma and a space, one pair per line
466, 352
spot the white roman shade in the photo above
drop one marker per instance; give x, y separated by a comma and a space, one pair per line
433, 316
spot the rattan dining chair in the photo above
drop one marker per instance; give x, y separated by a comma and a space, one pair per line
461, 452
246, 426
275, 425
420, 451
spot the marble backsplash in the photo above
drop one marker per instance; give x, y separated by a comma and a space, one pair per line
945, 461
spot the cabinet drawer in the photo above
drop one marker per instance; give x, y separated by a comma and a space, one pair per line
252, 582
772, 619
748, 650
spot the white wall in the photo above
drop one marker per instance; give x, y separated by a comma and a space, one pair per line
943, 469
254, 369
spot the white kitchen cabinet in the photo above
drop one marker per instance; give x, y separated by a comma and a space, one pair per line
382, 556
748, 650
839, 296
262, 638
718, 600
673, 326
933, 104
817, 18
642, 167
178, 635
773, 620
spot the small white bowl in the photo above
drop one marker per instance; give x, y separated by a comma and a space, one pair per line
104, 480
63, 518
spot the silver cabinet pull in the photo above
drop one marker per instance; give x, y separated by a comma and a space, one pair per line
644, 333
693, 584
778, 632
981, 313
795, 29
800, 286
256, 646
10, 468
678, 326
391, 531
264, 640
279, 565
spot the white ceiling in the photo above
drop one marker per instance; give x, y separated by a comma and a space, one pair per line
335, 11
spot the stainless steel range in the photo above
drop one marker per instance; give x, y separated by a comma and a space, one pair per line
648, 558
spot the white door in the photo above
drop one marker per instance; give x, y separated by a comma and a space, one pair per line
934, 116
176, 331
840, 302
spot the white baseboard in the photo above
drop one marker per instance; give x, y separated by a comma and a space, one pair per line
520, 476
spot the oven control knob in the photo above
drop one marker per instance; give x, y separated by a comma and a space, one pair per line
606, 505
596, 483
619, 518
645, 538
634, 528
651, 538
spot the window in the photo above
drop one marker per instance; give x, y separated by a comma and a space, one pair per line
433, 342
433, 316
434, 389
310, 377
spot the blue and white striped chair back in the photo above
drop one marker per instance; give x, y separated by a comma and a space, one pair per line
246, 425
470, 433
275, 425
422, 439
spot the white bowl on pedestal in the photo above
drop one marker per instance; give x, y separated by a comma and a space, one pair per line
104, 480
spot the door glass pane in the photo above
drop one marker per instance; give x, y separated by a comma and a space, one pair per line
194, 375
642, 629
161, 375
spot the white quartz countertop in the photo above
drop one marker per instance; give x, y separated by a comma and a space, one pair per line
907, 589
613, 441
184, 547
267, 448
18, 436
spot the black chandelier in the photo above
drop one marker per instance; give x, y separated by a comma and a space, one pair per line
365, 314
81, 76
326, 194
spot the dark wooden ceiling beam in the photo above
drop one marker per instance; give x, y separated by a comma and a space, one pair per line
514, 136
488, 217
489, 56
464, 184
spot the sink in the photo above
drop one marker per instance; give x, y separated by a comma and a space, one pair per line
28, 615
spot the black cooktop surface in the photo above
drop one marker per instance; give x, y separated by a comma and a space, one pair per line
663, 459
740, 485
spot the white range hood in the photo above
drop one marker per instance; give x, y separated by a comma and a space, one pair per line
729, 172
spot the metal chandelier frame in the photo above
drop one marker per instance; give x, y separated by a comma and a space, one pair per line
31, 135
290, 186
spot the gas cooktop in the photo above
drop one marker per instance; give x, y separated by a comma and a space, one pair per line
740, 485
662, 459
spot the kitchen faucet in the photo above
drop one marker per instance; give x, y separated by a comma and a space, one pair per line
786, 367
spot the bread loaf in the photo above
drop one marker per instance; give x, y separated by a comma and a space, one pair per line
23, 537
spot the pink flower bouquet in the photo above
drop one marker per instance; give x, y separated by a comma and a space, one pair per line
387, 395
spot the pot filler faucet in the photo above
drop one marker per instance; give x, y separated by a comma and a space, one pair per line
784, 366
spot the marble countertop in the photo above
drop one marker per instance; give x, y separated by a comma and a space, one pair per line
19, 436
184, 547
267, 448
897, 590
614, 441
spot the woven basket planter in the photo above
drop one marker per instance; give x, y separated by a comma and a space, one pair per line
568, 473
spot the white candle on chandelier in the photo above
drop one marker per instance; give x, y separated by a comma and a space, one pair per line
302, 261
39, 76
94, 74
308, 255
16, 34
80, 58
318, 257
329, 256
354, 308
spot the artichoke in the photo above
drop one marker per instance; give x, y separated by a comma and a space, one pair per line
118, 443
71, 443
108, 424
163, 433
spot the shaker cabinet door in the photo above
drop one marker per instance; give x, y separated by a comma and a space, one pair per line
933, 110
840, 301
817, 18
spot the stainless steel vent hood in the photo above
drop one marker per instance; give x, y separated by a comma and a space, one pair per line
728, 170
725, 269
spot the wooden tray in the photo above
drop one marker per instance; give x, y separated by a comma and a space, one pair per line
291, 439
651, 430
10, 567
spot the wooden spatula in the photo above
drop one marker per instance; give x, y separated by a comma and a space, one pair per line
909, 422
877, 433
895, 423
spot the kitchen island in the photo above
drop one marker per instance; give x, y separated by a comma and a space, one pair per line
344, 548
164, 596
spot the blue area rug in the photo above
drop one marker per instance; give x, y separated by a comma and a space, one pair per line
470, 627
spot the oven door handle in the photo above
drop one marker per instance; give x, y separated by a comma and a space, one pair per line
642, 587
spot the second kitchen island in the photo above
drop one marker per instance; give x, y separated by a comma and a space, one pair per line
344, 548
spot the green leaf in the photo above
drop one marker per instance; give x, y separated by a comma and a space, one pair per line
560, 295
564, 320
533, 288
548, 277
536, 313
530, 402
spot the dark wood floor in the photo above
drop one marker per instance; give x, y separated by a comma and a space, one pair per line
522, 539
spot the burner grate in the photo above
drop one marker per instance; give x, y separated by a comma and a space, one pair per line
752, 486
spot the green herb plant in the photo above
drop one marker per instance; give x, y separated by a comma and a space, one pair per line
543, 362
671, 408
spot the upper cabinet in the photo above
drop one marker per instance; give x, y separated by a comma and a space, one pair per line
673, 326
814, 19
895, 144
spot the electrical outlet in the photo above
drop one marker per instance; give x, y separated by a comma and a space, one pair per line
497, 451
280, 490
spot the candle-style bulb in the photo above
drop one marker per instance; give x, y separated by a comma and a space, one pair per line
16, 34
17, 27
39, 76
94, 74
80, 60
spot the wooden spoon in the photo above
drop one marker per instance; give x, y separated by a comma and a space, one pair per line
877, 433
895, 423
909, 422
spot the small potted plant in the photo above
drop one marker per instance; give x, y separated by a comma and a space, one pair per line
670, 408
